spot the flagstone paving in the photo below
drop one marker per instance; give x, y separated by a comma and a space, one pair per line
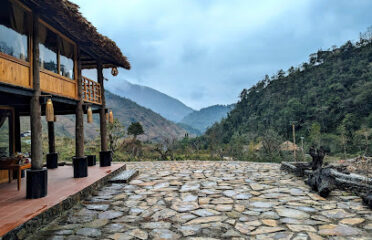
212, 200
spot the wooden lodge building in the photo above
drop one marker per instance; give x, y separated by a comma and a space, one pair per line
44, 46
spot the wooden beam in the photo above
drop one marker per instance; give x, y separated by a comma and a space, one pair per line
102, 112
79, 126
36, 127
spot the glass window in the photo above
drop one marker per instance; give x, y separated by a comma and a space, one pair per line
14, 30
48, 49
66, 50
4, 133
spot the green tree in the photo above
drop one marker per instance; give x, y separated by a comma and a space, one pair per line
364, 133
315, 134
135, 129
343, 138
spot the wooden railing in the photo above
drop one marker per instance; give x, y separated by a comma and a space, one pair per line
91, 91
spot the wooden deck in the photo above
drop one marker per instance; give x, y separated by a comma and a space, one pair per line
16, 209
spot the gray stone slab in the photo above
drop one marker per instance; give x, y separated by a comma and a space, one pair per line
124, 176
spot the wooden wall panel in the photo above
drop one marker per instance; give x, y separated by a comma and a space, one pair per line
3, 176
52, 83
14, 73
18, 74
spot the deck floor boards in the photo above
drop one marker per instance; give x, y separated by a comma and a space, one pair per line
15, 209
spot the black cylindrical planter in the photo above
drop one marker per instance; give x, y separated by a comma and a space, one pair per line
36, 183
105, 158
80, 167
52, 160
91, 160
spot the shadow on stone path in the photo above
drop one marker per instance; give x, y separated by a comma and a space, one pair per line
212, 200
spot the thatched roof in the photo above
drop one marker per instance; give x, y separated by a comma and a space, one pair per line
66, 17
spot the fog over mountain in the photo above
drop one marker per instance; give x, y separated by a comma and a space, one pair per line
168, 107
206, 117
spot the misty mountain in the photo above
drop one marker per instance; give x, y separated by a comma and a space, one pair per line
168, 107
206, 117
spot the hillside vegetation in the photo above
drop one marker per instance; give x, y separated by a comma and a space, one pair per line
329, 99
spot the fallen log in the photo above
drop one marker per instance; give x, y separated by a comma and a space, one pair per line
367, 199
351, 177
322, 181
299, 168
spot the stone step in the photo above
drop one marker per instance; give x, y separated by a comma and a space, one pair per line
124, 176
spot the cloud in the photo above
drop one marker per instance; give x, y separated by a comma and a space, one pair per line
206, 52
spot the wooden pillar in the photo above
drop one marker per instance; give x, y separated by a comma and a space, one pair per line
11, 134
35, 108
79, 126
51, 138
102, 113
17, 132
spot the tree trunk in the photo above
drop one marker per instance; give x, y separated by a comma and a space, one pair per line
102, 112
322, 181
35, 108
79, 126
318, 156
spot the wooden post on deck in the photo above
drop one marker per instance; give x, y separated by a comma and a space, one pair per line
37, 176
52, 156
17, 132
102, 111
80, 161
79, 127
36, 128
51, 138
105, 156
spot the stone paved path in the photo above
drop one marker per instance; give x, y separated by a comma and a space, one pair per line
212, 200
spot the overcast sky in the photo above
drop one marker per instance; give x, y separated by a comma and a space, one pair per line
204, 52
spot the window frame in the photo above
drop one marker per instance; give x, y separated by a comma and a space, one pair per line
29, 43
60, 36
30, 50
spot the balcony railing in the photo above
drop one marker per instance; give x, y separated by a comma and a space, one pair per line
91, 91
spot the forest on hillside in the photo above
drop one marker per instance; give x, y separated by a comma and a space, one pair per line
328, 99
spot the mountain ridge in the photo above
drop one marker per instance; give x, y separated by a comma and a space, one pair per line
161, 103
206, 117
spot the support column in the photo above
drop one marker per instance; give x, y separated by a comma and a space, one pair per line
105, 156
51, 138
80, 162
17, 140
37, 177
52, 156
17, 132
